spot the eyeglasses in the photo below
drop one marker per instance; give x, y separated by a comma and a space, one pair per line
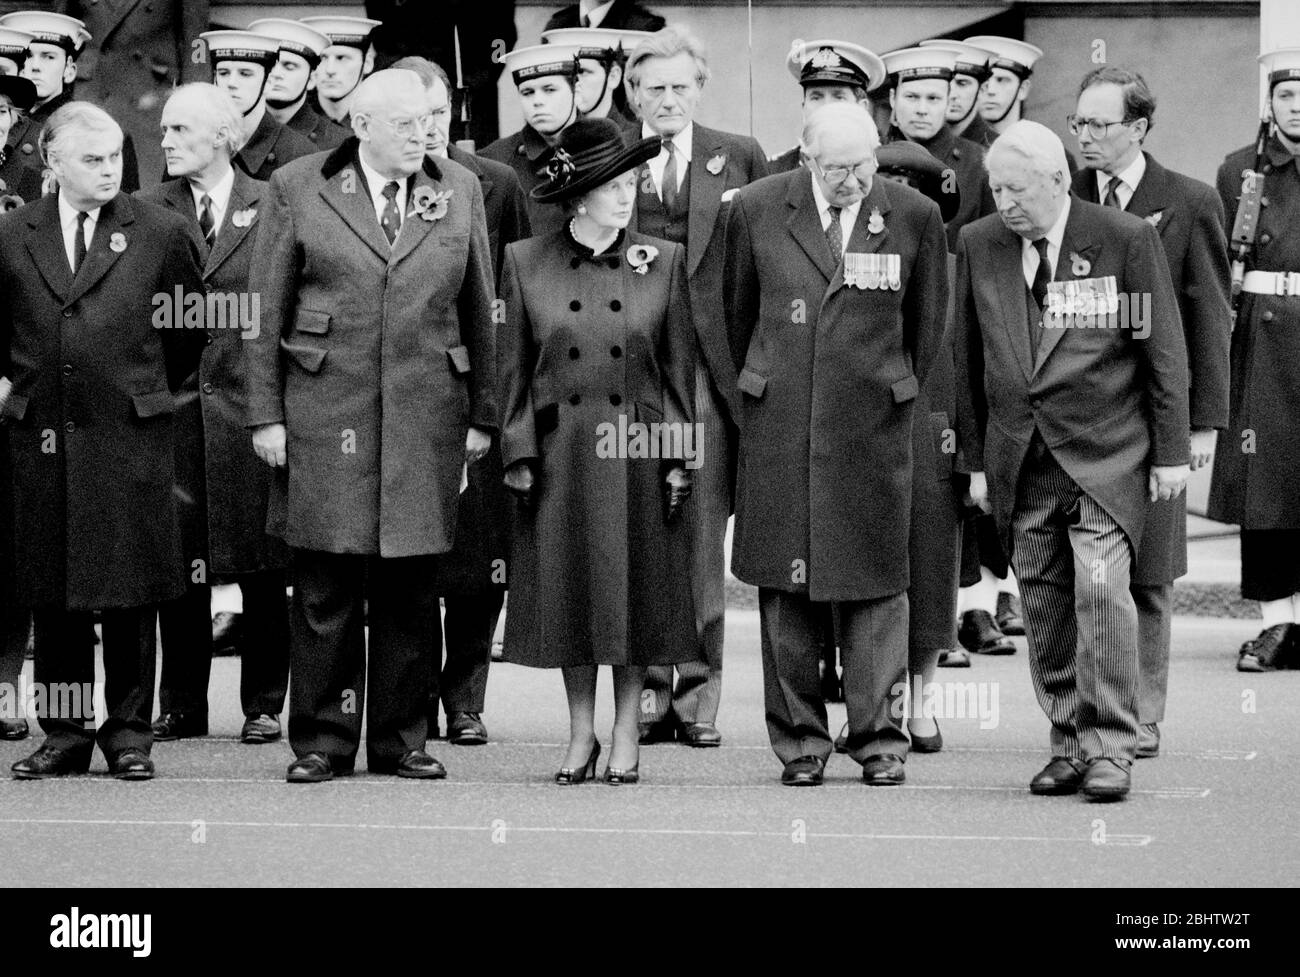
838, 174
1096, 128
406, 128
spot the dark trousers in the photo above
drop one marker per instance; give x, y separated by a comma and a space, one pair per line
185, 625
65, 663
328, 655
469, 622
15, 623
1073, 562
264, 643
873, 648
1154, 607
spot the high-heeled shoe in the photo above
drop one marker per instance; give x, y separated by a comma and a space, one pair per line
616, 777
569, 776
927, 744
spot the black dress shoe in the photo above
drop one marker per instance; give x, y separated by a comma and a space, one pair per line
260, 729
883, 770
701, 735
1106, 779
979, 635
50, 761
466, 729
227, 627
927, 744
1268, 650
568, 776
1061, 776
1148, 740
418, 765
804, 771
1010, 619
664, 731
954, 658
13, 729
842, 741
132, 764
617, 778
310, 768
178, 726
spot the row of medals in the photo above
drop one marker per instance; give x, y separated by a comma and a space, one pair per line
873, 271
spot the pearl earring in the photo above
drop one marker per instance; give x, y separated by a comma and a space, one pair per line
582, 208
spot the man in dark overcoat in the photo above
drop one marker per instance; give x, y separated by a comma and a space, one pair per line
90, 421
1112, 118
836, 285
373, 379
1072, 403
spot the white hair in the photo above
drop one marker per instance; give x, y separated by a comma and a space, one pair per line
1036, 143
218, 109
840, 116
70, 121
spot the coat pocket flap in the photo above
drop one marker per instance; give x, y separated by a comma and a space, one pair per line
459, 357
154, 404
15, 408
308, 357
751, 383
316, 323
905, 389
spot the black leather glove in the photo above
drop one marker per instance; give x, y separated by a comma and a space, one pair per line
520, 481
677, 490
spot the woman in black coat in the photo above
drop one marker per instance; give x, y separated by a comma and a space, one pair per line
596, 362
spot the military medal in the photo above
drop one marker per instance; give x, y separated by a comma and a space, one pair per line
872, 278
875, 223
855, 269
895, 267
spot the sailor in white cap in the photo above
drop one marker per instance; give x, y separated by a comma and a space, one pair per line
828, 71
1258, 489
348, 59
602, 52
1002, 96
919, 81
13, 50
240, 62
51, 64
969, 72
546, 78
292, 77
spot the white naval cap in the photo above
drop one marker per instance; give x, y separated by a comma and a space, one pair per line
915, 63
47, 28
1015, 56
241, 46
971, 60
347, 31
526, 63
294, 36
597, 43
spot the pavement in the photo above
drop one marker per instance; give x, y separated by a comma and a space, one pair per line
1214, 809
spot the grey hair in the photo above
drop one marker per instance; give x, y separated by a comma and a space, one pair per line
426, 69
375, 90
666, 43
1036, 143
220, 110
838, 115
69, 120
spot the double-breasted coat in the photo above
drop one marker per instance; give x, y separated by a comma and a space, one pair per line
1109, 402
1188, 217
376, 358
829, 374
589, 348
228, 487
90, 416
1255, 465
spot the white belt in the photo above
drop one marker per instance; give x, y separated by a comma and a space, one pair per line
1272, 282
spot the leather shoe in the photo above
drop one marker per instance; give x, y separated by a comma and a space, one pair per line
418, 765
132, 764
227, 626
1010, 619
260, 729
1061, 776
842, 741
883, 770
1268, 650
701, 734
954, 658
310, 768
804, 771
178, 726
13, 729
1106, 779
50, 761
979, 635
1148, 740
466, 729
927, 744
664, 731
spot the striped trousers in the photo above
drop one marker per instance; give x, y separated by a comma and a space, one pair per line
1073, 562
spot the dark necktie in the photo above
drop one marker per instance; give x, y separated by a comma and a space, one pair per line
586, 20
1039, 289
1112, 194
668, 190
79, 243
206, 224
835, 234
391, 221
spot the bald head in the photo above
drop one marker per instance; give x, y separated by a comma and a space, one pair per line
390, 115
389, 88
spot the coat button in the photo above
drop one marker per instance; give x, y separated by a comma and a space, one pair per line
1263, 201
67, 369
1267, 317
613, 263
616, 351
615, 399
67, 313
575, 305
615, 306
1265, 238
574, 263
207, 340
575, 400
69, 427
574, 353
208, 388
28, 148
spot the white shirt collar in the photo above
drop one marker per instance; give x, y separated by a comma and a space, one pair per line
376, 181
683, 142
68, 216
848, 215
68, 224
596, 12
1129, 179
219, 195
